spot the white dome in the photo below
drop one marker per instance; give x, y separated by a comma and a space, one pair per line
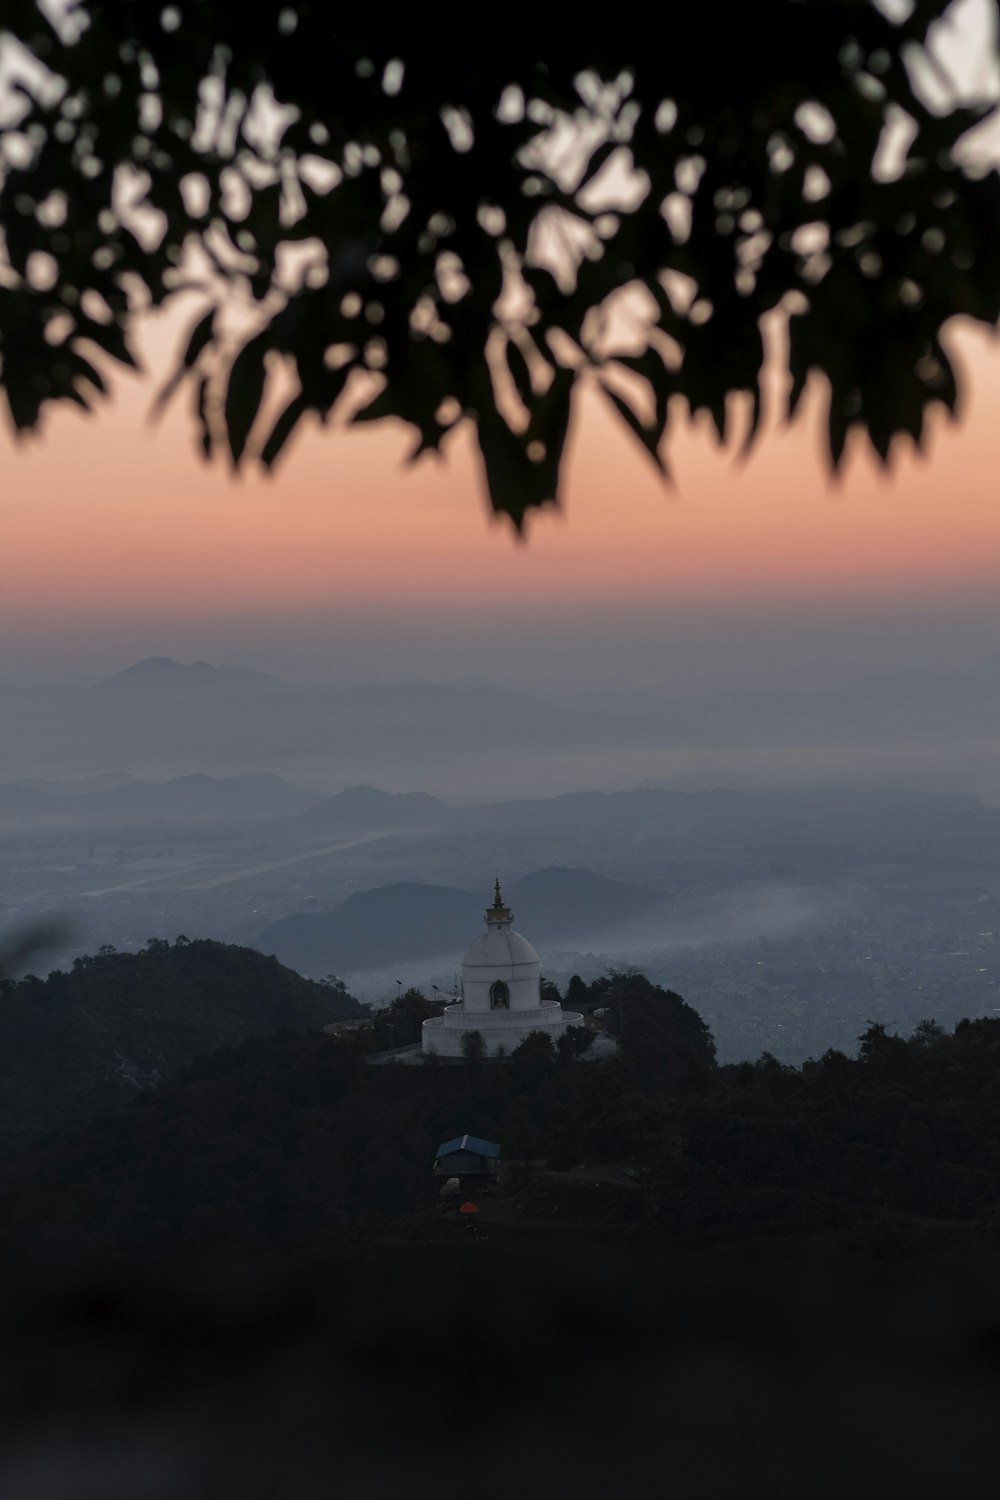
501, 993
499, 949
500, 971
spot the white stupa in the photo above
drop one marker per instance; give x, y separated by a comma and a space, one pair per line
501, 993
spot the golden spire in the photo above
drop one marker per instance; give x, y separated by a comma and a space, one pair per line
498, 915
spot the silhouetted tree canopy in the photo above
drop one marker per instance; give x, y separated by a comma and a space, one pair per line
375, 219
287, 1143
117, 1022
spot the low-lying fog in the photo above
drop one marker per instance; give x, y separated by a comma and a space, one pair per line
737, 916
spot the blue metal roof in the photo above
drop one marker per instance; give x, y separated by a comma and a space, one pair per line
468, 1143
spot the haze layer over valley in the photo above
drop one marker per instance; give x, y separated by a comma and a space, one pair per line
787, 867
473, 739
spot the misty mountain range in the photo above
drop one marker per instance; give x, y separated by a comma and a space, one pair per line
160, 719
302, 819
409, 920
182, 799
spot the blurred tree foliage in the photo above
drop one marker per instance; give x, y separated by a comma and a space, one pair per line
374, 218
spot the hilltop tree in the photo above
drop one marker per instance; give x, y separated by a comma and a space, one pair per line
578, 994
403, 1019
376, 220
663, 1039
329, 982
533, 1059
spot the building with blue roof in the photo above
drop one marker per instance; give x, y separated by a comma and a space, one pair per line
468, 1156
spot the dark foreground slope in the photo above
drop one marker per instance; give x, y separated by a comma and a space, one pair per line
286, 1146
495, 1375
91, 1037
713, 1282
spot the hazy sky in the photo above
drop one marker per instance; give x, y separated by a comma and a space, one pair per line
121, 543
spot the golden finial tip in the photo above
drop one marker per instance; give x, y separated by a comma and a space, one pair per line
497, 914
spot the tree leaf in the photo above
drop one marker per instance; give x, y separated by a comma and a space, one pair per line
198, 341
648, 436
367, 222
384, 404
200, 338
520, 374
244, 392
201, 414
283, 429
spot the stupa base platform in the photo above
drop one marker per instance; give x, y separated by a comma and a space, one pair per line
501, 1031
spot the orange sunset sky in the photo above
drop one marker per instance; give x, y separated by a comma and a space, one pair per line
115, 533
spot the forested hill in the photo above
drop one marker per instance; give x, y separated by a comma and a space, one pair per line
90, 1037
795, 1264
295, 1146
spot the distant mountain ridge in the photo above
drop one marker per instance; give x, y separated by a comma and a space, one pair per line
410, 920
404, 920
251, 799
159, 717
163, 673
368, 809
557, 902
107, 781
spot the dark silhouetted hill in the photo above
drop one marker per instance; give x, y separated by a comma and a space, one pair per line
90, 1037
404, 920
564, 903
